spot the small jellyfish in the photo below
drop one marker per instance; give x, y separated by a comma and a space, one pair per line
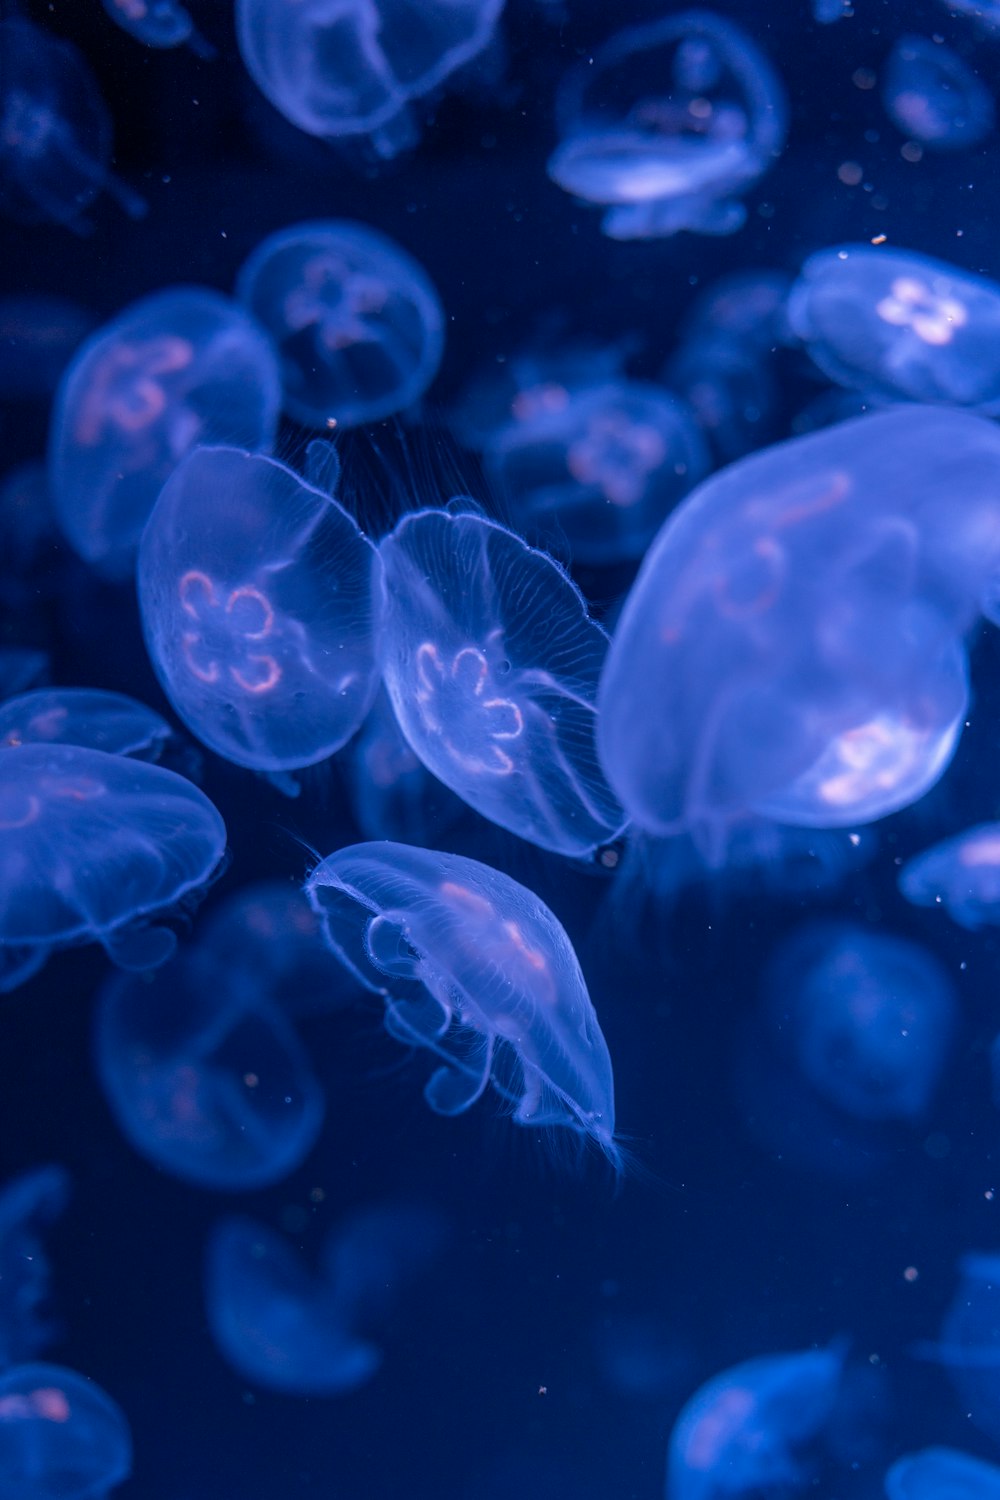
97, 720
746, 1429
159, 23
256, 593
745, 308
669, 124
491, 663
61, 1436
55, 132
183, 367
391, 791
932, 95
474, 968
962, 874
969, 1347
94, 848
29, 1204
357, 324
896, 324
942, 1474
354, 70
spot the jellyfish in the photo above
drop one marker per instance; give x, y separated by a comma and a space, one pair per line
962, 874
357, 324
668, 125
745, 308
745, 1430
97, 720
61, 1436
257, 599
491, 663
391, 791
730, 389
969, 1347
284, 1328
474, 968
898, 325
354, 71
942, 1474
29, 1204
933, 96
55, 133
825, 12
95, 848
159, 23
183, 367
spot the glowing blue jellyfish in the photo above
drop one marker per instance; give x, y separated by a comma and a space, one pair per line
61, 1436
358, 326
475, 969
933, 96
283, 1327
745, 1430
354, 70
94, 848
179, 368
794, 643
868, 1018
392, 793
745, 307
55, 132
962, 874
158, 23
669, 124
491, 663
28, 1205
893, 323
89, 717
256, 593
942, 1474
969, 1347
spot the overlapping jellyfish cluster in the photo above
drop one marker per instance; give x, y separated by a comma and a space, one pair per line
499, 687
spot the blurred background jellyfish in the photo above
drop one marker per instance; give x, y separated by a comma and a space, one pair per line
355, 70
931, 95
969, 1346
61, 1436
358, 326
181, 367
391, 792
29, 1204
159, 23
475, 969
89, 717
962, 874
942, 1474
898, 325
285, 1328
256, 593
668, 125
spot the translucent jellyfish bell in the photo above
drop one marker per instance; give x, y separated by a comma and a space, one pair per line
933, 96
111, 722
942, 1474
61, 1436
962, 874
159, 23
669, 124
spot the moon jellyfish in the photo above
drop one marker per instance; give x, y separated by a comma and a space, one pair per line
286, 1328
942, 1474
895, 324
969, 1347
933, 96
158, 23
354, 70
668, 125
491, 663
358, 326
475, 969
89, 717
962, 874
95, 848
29, 1204
745, 1430
256, 593
61, 1436
182, 367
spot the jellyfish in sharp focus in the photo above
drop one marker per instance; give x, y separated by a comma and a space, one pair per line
931, 95
668, 125
357, 323
61, 1436
259, 596
159, 23
969, 1346
183, 367
474, 968
962, 874
96, 720
942, 1474
29, 1204
491, 663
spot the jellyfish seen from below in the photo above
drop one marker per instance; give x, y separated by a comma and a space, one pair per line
55, 132
285, 1328
668, 125
474, 968
354, 71
61, 1436
29, 1204
159, 23
899, 325
183, 367
942, 1474
794, 643
931, 95
95, 848
746, 1430
969, 1347
256, 593
89, 717
962, 874
356, 321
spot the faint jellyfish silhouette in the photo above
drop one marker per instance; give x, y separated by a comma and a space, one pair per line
21, 669
29, 1204
962, 874
899, 324
183, 367
61, 1436
358, 326
828, 11
746, 1431
95, 847
745, 308
159, 23
90, 717
474, 968
354, 71
256, 593
986, 12
282, 1327
491, 663
930, 94
669, 124
942, 1474
392, 793
55, 132
969, 1347
38, 334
